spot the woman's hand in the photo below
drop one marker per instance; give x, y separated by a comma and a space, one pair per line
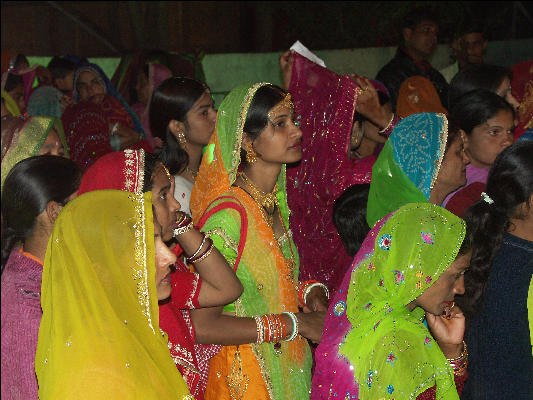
316, 300
285, 63
448, 330
311, 325
368, 103
128, 136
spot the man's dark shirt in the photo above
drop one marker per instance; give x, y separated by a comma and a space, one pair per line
401, 67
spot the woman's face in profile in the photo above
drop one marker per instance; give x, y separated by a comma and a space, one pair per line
165, 204
438, 297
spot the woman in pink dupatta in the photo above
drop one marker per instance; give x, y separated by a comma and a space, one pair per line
325, 104
148, 80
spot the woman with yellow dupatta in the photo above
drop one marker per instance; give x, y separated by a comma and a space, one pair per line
99, 336
239, 200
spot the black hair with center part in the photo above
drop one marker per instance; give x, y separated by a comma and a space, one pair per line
509, 185
264, 100
30, 185
475, 108
172, 100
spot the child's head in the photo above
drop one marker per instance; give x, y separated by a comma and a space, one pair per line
349, 217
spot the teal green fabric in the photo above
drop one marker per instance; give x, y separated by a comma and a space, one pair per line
408, 165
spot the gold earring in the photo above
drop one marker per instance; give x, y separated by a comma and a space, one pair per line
181, 140
251, 155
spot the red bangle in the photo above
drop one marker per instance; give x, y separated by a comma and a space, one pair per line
301, 291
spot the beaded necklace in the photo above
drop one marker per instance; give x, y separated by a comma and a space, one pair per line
267, 205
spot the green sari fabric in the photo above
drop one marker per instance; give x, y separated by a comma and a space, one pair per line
23, 138
264, 269
392, 353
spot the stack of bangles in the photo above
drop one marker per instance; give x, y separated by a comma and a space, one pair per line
271, 328
185, 225
305, 288
460, 363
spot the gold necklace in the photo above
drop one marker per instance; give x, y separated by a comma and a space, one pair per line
194, 174
267, 201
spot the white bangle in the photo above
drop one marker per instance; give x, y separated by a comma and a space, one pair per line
311, 286
260, 329
294, 320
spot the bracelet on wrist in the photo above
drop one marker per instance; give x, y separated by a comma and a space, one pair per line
301, 291
193, 255
204, 255
460, 363
294, 320
185, 228
386, 131
313, 285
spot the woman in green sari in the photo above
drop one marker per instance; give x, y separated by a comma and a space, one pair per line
240, 201
415, 270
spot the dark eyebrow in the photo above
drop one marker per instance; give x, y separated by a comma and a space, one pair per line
167, 187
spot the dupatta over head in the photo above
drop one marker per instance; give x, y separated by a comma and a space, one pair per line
108, 89
264, 267
408, 165
23, 137
391, 351
325, 104
99, 335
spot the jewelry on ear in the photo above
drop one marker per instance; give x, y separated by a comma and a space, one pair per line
251, 155
182, 140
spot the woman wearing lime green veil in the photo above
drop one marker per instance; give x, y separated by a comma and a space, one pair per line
240, 201
103, 273
415, 269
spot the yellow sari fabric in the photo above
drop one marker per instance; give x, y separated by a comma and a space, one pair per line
99, 336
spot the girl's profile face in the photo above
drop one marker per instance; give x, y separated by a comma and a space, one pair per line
201, 120
439, 296
281, 140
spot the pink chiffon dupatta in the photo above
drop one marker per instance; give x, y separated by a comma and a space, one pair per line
324, 105
333, 377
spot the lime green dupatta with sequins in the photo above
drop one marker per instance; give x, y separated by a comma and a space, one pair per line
265, 267
23, 138
99, 336
392, 352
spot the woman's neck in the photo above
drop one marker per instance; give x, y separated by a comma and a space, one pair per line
264, 176
438, 194
36, 243
522, 228
195, 156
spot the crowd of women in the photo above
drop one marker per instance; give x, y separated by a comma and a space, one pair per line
291, 243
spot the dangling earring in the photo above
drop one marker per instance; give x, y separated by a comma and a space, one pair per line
251, 155
182, 141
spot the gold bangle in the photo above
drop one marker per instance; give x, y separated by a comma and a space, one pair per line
388, 125
463, 354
